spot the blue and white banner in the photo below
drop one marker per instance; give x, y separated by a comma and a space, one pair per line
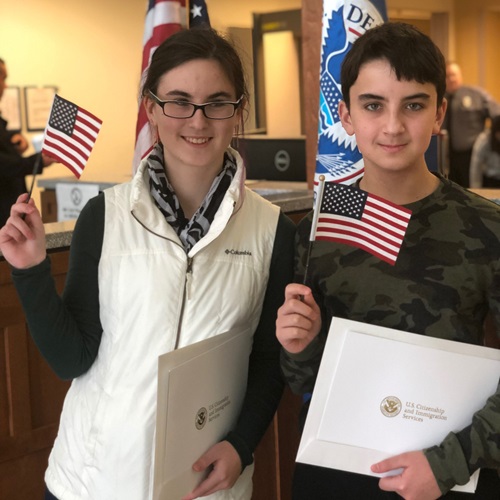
338, 157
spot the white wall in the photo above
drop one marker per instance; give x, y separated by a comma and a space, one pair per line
282, 84
91, 50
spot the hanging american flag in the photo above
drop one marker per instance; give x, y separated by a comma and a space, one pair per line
70, 134
338, 157
352, 216
198, 14
163, 18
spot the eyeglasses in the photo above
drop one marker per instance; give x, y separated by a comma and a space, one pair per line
217, 110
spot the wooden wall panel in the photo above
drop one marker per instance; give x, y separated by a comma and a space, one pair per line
312, 14
31, 395
275, 455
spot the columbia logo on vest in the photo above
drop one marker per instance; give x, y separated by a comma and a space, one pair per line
237, 252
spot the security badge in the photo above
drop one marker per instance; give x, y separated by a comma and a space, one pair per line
466, 101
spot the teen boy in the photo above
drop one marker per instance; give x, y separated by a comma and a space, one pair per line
444, 282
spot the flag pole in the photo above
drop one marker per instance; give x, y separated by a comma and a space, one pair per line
187, 16
35, 172
314, 225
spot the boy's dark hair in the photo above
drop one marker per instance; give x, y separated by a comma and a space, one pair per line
411, 54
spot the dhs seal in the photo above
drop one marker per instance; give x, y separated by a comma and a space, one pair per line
201, 418
338, 157
76, 196
390, 406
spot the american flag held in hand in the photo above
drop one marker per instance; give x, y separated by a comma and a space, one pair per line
70, 134
352, 216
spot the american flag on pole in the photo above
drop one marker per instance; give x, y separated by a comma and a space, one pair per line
352, 216
198, 14
70, 134
338, 157
163, 18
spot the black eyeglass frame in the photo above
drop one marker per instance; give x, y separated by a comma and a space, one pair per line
196, 107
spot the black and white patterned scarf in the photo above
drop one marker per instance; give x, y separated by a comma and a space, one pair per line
189, 231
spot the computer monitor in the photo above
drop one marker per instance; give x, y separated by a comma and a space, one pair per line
272, 158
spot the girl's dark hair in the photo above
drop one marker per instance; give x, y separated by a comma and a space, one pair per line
411, 54
495, 128
196, 43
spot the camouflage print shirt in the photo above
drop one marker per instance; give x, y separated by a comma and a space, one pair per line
445, 280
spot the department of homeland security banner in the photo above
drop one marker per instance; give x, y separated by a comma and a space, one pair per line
338, 157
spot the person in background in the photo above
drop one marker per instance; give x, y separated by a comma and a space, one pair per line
468, 110
183, 252
13, 166
445, 281
485, 162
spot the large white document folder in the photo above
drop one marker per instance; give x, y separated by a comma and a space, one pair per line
381, 392
200, 393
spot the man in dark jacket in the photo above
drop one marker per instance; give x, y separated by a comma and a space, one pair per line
468, 110
13, 166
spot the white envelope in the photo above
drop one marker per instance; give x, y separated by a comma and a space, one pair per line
201, 389
381, 392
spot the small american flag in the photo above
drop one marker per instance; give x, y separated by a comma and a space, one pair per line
70, 134
354, 217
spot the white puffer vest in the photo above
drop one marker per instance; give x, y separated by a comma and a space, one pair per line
154, 298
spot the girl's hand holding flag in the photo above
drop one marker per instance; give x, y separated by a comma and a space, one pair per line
22, 239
